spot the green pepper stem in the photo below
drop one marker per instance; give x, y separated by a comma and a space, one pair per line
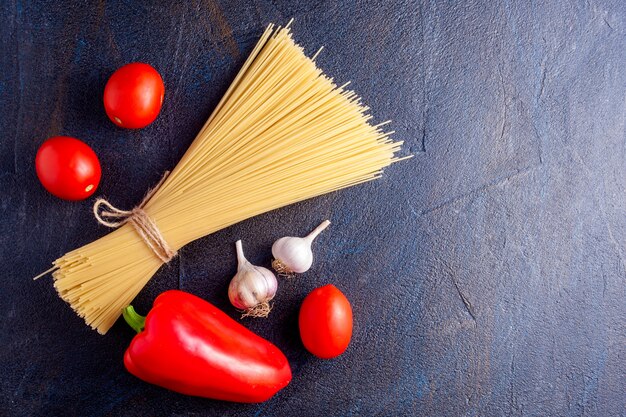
134, 320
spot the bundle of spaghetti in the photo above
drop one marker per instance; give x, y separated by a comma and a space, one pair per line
282, 133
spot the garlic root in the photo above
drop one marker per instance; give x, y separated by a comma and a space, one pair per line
260, 310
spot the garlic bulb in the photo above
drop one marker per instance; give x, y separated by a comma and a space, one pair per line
252, 287
293, 254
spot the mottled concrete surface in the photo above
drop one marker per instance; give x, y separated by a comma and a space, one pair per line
487, 274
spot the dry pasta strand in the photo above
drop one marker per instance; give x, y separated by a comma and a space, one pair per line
282, 133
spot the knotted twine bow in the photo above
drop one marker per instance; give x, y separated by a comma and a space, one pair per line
139, 219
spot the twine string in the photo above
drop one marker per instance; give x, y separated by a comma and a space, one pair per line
111, 216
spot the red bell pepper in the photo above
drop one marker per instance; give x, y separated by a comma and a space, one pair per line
187, 345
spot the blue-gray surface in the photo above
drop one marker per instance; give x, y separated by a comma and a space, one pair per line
487, 274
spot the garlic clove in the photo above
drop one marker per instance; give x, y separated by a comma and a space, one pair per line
293, 255
252, 287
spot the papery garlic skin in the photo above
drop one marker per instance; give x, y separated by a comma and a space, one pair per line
252, 287
294, 254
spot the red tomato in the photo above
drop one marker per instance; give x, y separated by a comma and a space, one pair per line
133, 95
326, 322
68, 168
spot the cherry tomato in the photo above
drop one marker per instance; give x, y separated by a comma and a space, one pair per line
133, 95
326, 322
68, 168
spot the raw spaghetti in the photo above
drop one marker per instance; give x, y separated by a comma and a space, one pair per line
282, 133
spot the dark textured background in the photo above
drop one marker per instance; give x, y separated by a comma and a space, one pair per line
487, 274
